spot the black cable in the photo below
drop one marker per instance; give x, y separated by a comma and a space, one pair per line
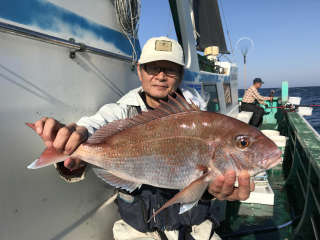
260, 230
227, 32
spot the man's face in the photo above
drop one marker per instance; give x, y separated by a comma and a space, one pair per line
258, 85
159, 86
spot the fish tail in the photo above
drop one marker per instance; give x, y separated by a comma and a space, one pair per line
48, 157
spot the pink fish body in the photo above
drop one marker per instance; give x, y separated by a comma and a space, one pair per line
175, 146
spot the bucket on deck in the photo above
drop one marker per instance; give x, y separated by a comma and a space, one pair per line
295, 100
305, 111
270, 133
279, 138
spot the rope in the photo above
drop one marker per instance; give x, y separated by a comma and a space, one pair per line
168, 24
227, 32
226, 58
170, 31
128, 15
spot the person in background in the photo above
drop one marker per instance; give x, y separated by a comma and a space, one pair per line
160, 70
248, 100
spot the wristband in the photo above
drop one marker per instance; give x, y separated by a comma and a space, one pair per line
67, 171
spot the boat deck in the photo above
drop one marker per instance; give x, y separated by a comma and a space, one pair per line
241, 217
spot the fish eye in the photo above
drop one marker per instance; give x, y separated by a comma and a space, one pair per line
243, 142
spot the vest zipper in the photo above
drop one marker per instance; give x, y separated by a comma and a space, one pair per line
166, 215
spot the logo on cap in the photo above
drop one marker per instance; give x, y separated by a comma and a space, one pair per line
162, 45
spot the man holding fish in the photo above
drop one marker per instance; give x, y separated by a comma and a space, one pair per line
160, 71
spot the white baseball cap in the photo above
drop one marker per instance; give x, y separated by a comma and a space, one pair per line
162, 48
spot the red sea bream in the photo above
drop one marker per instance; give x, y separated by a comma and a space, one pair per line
175, 146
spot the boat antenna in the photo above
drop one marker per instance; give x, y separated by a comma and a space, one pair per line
244, 47
128, 15
228, 33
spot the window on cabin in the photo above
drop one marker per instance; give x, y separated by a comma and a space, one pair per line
227, 94
213, 104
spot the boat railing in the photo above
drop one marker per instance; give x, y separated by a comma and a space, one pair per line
301, 165
27, 33
304, 152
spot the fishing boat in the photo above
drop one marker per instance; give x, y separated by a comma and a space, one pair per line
62, 60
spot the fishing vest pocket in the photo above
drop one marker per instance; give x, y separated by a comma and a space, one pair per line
133, 212
137, 207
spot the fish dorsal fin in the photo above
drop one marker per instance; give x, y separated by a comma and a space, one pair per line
173, 106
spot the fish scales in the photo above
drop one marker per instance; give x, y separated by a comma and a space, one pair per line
168, 158
182, 148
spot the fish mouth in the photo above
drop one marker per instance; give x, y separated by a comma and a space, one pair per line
273, 160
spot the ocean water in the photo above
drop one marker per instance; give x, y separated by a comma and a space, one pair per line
308, 95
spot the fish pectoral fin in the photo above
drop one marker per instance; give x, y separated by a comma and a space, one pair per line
116, 181
201, 167
190, 195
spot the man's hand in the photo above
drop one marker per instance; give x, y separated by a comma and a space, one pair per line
223, 186
65, 139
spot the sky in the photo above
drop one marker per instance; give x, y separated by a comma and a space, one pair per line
285, 33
